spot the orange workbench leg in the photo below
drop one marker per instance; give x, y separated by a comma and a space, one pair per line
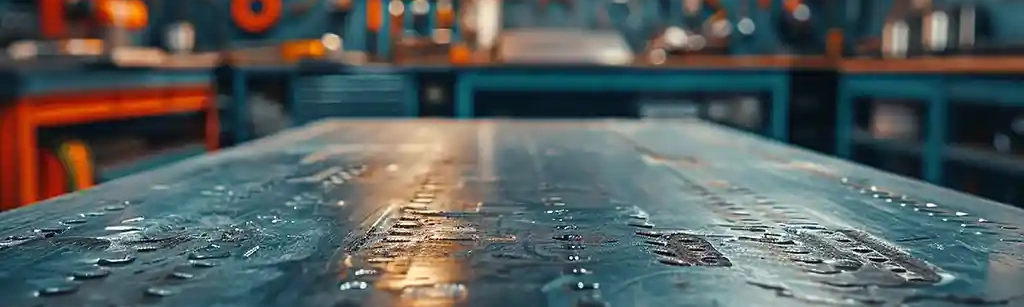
53, 176
8, 164
212, 127
26, 147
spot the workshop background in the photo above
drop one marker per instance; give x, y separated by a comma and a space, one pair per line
96, 90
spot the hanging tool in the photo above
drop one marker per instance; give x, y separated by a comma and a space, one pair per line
955, 29
249, 19
794, 23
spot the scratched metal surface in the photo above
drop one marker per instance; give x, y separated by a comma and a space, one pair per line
435, 213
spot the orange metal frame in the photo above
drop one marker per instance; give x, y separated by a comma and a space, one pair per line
20, 165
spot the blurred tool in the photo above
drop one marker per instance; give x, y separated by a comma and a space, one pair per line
919, 28
894, 121
794, 23
564, 47
426, 33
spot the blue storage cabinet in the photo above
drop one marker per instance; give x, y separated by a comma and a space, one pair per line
371, 94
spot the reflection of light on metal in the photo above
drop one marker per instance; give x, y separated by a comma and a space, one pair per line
937, 24
1018, 125
332, 41
354, 285
675, 37
968, 20
181, 37
614, 57
488, 22
721, 28
746, 26
396, 8
893, 121
443, 5
441, 36
657, 56
1002, 143
437, 292
895, 39
697, 43
802, 12
22, 50
420, 7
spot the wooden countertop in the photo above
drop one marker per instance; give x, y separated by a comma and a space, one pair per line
683, 62
745, 62
952, 64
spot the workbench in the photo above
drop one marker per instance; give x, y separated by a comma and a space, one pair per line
513, 213
937, 83
36, 97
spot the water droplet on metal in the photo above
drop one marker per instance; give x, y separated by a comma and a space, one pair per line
366, 272
641, 224
121, 260
846, 264
931, 205
181, 275
805, 259
160, 291
656, 242
51, 230
578, 271
122, 228
824, 271
202, 264
797, 251
58, 289
92, 214
92, 273
212, 251
647, 233
959, 213
353, 285
73, 221
115, 208
663, 252
407, 225
673, 261
587, 286
449, 291
567, 227
862, 250
568, 237
146, 249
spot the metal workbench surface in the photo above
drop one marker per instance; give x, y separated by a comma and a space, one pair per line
504, 213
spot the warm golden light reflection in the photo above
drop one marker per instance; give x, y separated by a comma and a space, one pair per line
412, 252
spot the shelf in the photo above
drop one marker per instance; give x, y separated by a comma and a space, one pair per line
972, 155
865, 139
149, 161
